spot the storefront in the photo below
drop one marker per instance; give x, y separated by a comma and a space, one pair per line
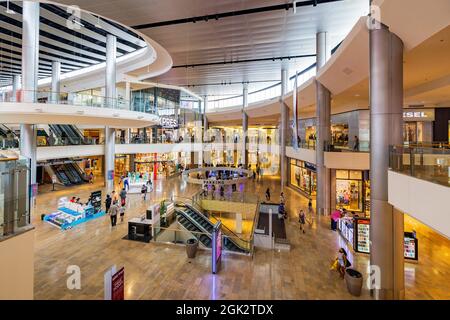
356, 231
352, 191
418, 125
302, 176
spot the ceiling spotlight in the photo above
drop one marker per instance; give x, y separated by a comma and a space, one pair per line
8, 10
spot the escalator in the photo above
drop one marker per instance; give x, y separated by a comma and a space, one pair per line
68, 174
8, 138
61, 175
193, 220
69, 133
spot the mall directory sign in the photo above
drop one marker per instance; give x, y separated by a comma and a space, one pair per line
216, 247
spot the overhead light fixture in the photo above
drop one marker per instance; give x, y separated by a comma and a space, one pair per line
8, 10
78, 22
98, 25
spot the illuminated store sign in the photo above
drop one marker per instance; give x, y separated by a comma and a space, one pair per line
166, 122
418, 115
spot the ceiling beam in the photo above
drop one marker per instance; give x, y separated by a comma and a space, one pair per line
243, 61
217, 16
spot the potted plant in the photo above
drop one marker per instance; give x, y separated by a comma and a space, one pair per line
162, 212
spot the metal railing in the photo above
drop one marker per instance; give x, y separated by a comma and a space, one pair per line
426, 163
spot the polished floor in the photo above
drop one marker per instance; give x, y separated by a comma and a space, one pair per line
162, 271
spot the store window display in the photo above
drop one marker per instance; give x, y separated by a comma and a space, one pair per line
303, 176
349, 190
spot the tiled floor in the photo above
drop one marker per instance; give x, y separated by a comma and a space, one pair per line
160, 271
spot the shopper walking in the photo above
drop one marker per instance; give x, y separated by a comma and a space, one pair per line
114, 210
123, 197
356, 144
343, 262
144, 192
126, 183
282, 198
302, 220
122, 213
108, 202
268, 194
91, 177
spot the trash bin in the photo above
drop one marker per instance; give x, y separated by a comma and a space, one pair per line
191, 248
354, 281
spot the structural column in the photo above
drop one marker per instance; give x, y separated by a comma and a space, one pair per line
15, 87
30, 64
323, 130
110, 90
56, 81
284, 128
244, 154
128, 93
386, 123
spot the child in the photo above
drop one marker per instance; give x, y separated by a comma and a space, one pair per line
122, 213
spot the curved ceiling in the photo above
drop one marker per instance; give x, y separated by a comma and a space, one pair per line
260, 35
76, 45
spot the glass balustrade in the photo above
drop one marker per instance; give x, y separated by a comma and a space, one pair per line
430, 162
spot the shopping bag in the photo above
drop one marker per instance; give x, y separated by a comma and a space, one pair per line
334, 265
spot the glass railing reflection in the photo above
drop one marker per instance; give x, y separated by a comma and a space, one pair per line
430, 163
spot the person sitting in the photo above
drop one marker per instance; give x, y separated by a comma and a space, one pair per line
73, 199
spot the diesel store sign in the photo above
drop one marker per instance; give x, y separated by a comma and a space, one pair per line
167, 122
418, 114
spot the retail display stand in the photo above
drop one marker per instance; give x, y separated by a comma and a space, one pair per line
71, 214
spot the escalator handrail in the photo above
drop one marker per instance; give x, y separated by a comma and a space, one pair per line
195, 223
224, 228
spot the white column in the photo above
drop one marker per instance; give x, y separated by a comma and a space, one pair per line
30, 64
128, 94
15, 87
110, 92
323, 129
284, 128
56, 81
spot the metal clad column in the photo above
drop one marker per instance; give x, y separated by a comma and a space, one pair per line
386, 124
56, 81
244, 154
110, 86
30, 64
284, 128
323, 130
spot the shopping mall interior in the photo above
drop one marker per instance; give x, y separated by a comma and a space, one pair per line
224, 150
